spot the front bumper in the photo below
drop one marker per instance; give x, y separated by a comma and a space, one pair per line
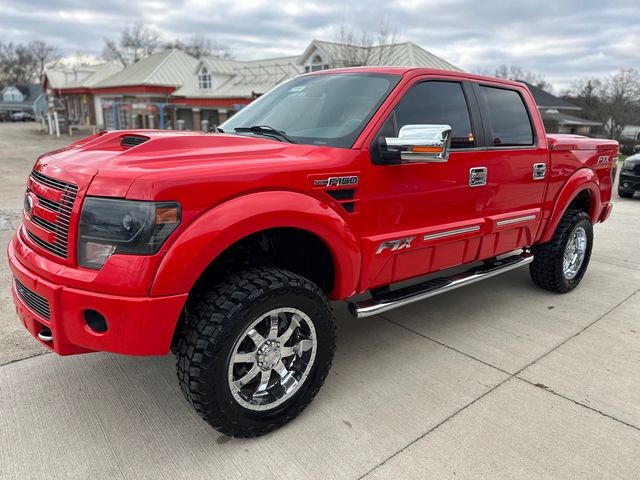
136, 325
629, 181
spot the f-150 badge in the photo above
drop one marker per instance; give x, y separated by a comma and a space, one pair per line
336, 182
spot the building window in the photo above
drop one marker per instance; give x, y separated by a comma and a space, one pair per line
204, 78
317, 64
12, 96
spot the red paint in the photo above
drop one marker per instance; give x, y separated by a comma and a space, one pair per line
231, 186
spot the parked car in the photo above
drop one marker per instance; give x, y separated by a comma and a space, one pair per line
228, 247
629, 181
22, 117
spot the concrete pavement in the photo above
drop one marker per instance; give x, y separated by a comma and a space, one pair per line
497, 380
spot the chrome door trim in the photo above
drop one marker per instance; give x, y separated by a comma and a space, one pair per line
509, 221
449, 233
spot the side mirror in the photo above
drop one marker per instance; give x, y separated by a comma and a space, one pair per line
419, 143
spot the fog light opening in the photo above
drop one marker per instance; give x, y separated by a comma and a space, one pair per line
45, 335
95, 321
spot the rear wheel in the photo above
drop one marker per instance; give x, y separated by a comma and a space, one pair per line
255, 350
560, 264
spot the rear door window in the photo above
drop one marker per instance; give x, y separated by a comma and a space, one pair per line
508, 117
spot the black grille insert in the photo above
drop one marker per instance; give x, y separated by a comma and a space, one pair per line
35, 302
129, 141
347, 194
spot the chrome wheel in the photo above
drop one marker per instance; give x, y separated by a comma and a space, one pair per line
272, 358
574, 253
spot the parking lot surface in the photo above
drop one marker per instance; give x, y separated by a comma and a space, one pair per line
496, 380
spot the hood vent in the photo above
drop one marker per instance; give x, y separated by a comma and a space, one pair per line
129, 141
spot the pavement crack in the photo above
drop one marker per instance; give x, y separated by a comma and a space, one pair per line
514, 375
438, 425
614, 264
18, 360
578, 333
576, 402
444, 345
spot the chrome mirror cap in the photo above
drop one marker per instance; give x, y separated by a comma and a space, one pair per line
422, 143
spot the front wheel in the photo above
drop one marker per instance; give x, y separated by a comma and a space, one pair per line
255, 350
560, 264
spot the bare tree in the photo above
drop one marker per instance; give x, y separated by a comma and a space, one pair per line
135, 43
80, 59
355, 48
613, 100
200, 46
23, 63
516, 72
586, 94
386, 37
44, 56
621, 99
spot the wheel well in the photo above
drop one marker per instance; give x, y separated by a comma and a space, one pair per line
296, 250
582, 202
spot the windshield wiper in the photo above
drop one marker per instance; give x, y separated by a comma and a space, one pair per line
267, 131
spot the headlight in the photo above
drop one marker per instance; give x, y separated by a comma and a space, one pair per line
109, 226
627, 165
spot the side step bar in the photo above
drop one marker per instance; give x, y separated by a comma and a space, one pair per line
436, 286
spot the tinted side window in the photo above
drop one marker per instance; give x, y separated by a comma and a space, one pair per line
434, 103
510, 122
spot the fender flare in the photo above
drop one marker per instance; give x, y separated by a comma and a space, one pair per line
583, 179
219, 228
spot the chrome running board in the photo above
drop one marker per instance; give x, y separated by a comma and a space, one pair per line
436, 286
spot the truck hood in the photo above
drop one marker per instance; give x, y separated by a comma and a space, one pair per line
116, 159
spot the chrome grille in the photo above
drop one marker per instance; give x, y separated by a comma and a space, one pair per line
62, 210
35, 302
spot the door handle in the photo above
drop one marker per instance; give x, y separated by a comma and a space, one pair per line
477, 176
539, 171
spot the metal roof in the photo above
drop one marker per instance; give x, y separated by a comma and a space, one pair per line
102, 72
233, 79
58, 77
169, 68
406, 54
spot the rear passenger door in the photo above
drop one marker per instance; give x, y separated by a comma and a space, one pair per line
517, 168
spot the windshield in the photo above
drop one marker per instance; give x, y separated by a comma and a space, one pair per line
328, 109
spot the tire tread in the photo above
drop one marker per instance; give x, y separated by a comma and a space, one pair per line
208, 327
544, 268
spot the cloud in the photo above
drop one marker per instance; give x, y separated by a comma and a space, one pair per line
561, 40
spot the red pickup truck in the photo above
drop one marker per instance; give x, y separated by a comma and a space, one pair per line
227, 247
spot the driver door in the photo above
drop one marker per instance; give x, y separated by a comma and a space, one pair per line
424, 216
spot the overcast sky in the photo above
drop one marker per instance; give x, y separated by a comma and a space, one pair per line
562, 39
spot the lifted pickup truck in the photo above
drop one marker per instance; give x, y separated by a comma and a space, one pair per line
227, 247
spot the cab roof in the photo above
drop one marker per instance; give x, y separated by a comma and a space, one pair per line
413, 71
